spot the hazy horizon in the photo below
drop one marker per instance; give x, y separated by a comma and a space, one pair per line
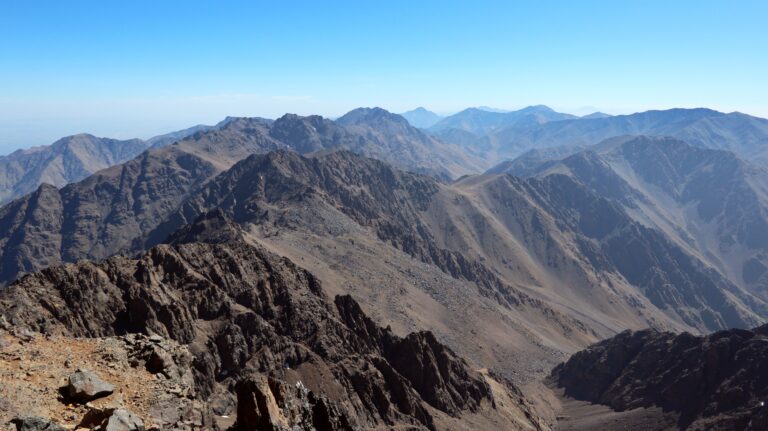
143, 69
163, 128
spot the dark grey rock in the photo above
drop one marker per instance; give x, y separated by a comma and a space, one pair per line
85, 386
36, 423
123, 420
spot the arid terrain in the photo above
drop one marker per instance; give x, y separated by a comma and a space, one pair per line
361, 273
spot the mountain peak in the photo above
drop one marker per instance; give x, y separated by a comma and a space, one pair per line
421, 117
595, 115
537, 108
368, 115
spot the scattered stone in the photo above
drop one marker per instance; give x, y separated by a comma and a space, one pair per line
23, 334
111, 419
85, 386
36, 423
123, 420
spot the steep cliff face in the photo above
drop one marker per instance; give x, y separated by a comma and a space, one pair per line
717, 382
242, 310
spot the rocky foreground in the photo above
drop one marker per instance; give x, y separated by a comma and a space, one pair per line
234, 336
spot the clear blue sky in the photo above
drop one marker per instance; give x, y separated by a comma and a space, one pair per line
139, 68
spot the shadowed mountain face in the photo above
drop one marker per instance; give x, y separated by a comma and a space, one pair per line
716, 382
708, 201
244, 311
742, 134
421, 118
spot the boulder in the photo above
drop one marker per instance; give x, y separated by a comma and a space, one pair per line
111, 420
36, 423
85, 386
123, 420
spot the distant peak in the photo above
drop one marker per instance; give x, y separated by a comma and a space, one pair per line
595, 115
538, 108
77, 136
295, 118
490, 109
364, 115
241, 122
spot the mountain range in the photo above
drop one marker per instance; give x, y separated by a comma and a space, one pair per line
710, 202
482, 122
739, 133
365, 273
71, 159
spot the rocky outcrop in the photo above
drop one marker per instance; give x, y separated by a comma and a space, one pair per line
717, 382
241, 309
265, 403
441, 378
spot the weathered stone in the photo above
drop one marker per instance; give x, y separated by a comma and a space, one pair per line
36, 423
85, 386
123, 420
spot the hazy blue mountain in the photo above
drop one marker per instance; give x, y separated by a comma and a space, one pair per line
482, 122
594, 115
421, 118
389, 137
490, 109
742, 134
